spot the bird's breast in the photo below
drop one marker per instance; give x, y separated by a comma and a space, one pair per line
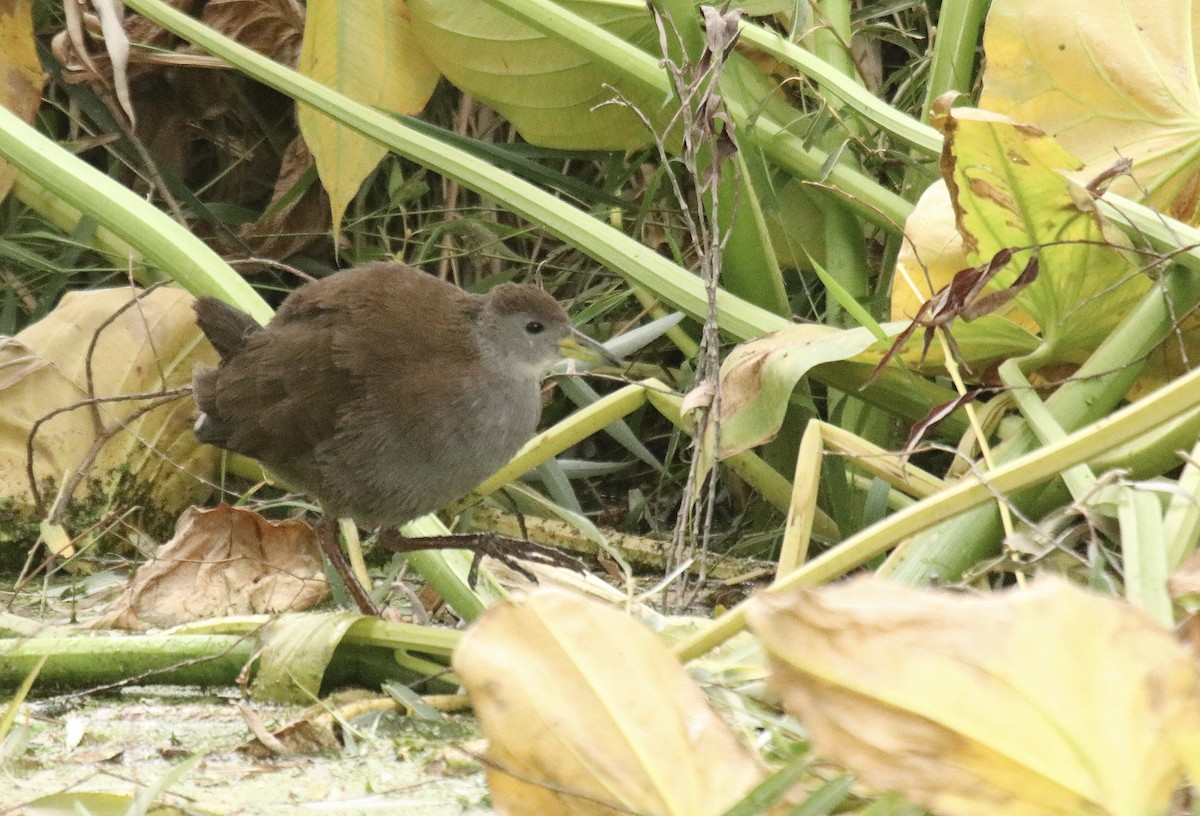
409, 463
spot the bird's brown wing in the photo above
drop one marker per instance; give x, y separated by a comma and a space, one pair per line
278, 397
283, 395
396, 454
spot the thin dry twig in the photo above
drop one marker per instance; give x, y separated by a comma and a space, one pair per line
707, 141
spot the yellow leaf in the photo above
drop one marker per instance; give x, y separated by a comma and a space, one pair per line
1006, 186
1050, 700
56, 539
366, 50
1009, 190
1107, 79
931, 255
587, 712
20, 71
151, 346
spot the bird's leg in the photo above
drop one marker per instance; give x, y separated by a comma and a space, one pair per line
516, 508
327, 534
502, 548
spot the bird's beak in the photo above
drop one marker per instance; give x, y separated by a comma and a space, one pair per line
578, 346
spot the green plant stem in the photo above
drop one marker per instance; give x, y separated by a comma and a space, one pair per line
832, 38
1143, 550
621, 253
1181, 524
788, 151
1094, 391
875, 110
79, 662
160, 240
66, 218
950, 68
639, 264
773, 487
748, 266
1171, 401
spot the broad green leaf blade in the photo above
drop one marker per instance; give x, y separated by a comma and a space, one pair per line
1007, 188
551, 92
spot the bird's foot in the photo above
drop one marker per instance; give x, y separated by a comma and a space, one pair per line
506, 550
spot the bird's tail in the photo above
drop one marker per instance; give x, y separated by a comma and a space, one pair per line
225, 327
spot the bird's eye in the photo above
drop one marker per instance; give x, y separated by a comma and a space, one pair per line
534, 327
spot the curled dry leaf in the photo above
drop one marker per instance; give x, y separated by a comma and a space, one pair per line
314, 731
297, 218
300, 737
273, 28
701, 396
296, 651
758, 377
1050, 700
224, 561
587, 712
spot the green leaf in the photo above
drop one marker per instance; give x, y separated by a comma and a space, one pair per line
551, 92
296, 652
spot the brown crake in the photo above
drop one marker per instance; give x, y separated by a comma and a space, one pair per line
380, 390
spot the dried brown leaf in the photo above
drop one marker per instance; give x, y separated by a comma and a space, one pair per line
295, 219
273, 28
313, 732
224, 561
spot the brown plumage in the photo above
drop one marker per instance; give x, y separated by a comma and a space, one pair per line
380, 390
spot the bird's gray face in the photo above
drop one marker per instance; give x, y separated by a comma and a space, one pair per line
521, 330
